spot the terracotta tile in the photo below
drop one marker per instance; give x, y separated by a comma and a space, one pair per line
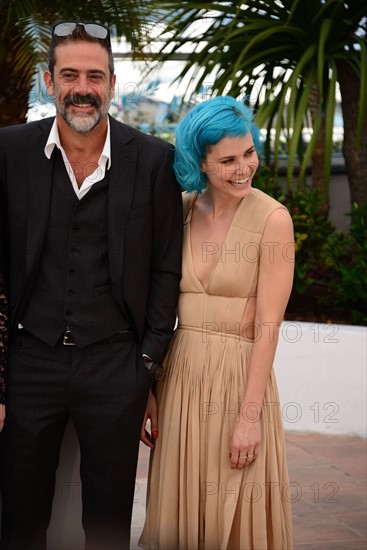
298, 457
327, 486
334, 498
355, 521
357, 544
349, 459
318, 527
301, 507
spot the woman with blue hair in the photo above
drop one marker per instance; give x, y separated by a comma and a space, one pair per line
218, 476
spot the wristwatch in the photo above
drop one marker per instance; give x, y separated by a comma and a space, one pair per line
155, 370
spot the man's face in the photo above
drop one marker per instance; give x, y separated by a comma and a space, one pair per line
82, 84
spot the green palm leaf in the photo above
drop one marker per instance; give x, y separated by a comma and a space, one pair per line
247, 45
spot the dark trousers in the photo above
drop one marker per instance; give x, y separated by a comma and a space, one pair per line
104, 389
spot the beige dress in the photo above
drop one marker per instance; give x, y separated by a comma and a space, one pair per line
195, 500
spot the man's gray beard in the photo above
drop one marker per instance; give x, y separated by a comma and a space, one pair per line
82, 124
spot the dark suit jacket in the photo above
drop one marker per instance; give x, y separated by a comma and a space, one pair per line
144, 224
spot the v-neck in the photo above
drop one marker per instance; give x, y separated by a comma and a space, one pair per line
188, 222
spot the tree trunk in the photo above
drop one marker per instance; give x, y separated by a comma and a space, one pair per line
16, 83
318, 156
355, 159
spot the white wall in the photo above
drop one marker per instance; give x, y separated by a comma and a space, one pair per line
321, 374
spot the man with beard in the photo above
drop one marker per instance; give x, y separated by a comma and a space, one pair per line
94, 223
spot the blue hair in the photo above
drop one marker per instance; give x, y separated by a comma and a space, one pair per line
205, 125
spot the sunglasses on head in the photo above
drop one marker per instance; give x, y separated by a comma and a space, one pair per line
66, 28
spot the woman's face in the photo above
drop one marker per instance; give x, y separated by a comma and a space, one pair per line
231, 164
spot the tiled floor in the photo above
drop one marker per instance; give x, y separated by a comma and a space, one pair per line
328, 491
329, 511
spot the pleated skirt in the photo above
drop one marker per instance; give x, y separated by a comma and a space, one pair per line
195, 501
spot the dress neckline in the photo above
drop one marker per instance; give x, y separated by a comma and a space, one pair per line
188, 222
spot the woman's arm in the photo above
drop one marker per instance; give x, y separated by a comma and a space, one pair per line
274, 288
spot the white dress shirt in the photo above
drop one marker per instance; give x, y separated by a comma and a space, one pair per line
104, 161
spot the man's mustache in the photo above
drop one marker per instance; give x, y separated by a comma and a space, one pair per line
79, 99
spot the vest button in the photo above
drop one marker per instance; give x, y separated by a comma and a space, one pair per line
75, 229
72, 271
68, 313
71, 292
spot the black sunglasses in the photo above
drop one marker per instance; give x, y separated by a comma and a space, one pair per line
66, 28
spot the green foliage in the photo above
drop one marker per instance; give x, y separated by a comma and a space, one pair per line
26, 32
331, 266
289, 59
345, 254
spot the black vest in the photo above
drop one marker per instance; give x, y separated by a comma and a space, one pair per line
73, 286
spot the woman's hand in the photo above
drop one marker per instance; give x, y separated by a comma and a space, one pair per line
151, 413
2, 416
246, 438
